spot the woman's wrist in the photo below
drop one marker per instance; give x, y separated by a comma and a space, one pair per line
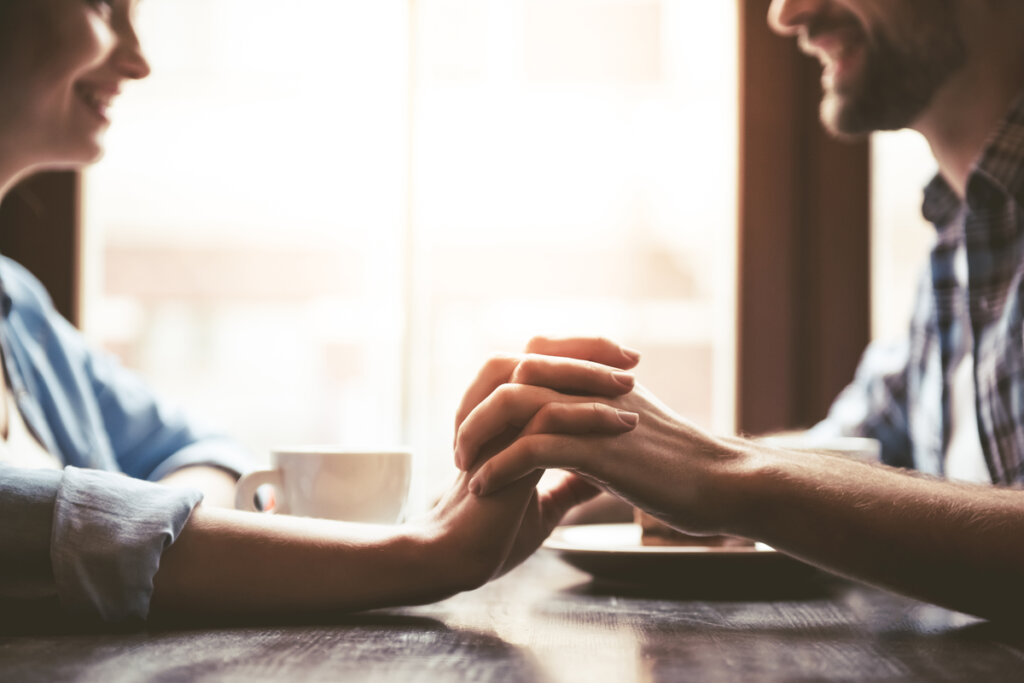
439, 566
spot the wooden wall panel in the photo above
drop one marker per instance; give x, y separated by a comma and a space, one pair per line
39, 228
803, 246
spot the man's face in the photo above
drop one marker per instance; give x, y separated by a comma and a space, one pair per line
883, 60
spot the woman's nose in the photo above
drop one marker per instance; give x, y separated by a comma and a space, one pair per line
127, 58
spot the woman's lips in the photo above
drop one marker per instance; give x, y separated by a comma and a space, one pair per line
97, 100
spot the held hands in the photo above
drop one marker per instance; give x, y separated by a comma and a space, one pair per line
664, 465
478, 538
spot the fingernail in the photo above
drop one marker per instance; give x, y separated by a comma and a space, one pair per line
631, 354
475, 486
458, 458
630, 419
624, 378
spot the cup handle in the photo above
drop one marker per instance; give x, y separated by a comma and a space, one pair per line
245, 489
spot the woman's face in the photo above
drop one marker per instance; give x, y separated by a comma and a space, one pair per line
62, 63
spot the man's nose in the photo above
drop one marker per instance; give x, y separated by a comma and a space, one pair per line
786, 16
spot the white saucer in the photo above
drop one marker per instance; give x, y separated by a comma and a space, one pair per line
614, 552
627, 539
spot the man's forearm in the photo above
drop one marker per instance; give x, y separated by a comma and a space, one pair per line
953, 544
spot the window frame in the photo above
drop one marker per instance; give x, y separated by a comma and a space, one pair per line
803, 315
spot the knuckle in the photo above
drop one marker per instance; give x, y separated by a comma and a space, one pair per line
498, 363
547, 416
505, 395
528, 369
536, 341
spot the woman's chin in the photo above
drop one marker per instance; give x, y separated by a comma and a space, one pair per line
89, 154
72, 160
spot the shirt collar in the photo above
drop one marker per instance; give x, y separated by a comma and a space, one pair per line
998, 173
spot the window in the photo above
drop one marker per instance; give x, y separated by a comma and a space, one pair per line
315, 227
901, 237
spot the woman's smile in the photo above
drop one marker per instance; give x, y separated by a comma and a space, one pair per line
97, 99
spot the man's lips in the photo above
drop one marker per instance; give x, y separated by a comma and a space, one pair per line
833, 43
837, 47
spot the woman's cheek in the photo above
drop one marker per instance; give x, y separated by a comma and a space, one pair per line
75, 43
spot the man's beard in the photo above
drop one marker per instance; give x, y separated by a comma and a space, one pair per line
896, 82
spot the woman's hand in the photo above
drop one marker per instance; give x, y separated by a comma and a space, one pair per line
665, 465
472, 539
477, 539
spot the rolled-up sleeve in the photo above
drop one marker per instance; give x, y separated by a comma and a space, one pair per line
102, 532
151, 438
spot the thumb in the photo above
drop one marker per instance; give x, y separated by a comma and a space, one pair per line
560, 492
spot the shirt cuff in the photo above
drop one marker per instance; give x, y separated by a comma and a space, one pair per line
109, 532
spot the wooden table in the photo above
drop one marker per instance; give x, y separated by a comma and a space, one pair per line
547, 622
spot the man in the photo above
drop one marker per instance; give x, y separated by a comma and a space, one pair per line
950, 402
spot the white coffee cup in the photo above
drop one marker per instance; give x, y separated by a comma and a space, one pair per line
370, 486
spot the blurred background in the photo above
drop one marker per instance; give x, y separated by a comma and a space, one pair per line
315, 223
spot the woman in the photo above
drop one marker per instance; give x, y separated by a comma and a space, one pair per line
73, 422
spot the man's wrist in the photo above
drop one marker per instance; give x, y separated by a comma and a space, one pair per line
751, 482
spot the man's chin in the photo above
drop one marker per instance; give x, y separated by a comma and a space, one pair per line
842, 119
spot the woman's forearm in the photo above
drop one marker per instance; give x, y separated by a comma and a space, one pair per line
953, 544
227, 562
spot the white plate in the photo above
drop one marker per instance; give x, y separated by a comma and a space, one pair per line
614, 552
627, 538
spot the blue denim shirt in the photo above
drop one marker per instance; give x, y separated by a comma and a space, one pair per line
89, 534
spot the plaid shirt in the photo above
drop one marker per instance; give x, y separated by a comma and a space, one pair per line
901, 392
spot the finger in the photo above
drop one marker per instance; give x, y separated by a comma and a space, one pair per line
554, 372
572, 376
510, 405
596, 349
527, 455
495, 372
580, 418
559, 494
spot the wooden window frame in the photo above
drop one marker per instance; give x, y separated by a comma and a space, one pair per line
803, 313
40, 228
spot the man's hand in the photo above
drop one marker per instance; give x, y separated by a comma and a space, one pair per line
584, 366
940, 541
665, 465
